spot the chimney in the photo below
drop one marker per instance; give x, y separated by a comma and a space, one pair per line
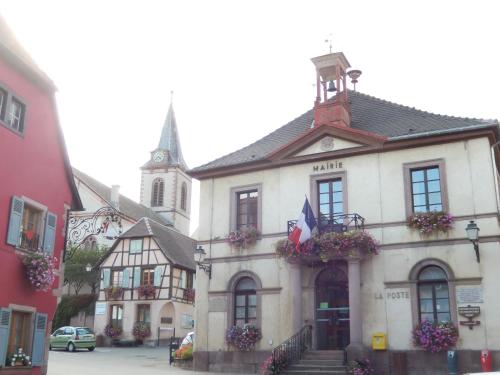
115, 196
331, 72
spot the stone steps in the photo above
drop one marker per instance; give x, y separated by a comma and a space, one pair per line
320, 362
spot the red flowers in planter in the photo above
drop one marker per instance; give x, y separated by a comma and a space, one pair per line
331, 245
189, 294
243, 339
112, 331
243, 238
146, 291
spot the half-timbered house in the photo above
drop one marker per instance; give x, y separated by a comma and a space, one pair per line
147, 276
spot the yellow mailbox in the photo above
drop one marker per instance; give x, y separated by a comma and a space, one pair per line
379, 341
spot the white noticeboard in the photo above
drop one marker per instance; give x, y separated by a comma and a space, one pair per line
469, 294
100, 308
186, 321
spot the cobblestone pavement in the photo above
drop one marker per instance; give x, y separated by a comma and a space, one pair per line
114, 361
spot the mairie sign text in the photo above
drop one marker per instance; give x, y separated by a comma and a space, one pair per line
328, 166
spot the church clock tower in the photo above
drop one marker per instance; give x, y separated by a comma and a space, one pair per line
165, 186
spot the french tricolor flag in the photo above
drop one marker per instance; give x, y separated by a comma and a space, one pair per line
305, 224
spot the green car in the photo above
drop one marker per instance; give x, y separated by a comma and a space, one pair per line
72, 338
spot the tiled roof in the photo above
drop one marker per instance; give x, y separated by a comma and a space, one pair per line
179, 249
127, 206
368, 114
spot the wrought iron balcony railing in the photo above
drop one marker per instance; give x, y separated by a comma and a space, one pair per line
335, 223
29, 241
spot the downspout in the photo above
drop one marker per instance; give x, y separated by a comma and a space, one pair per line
495, 177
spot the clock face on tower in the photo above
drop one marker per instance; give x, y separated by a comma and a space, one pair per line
158, 156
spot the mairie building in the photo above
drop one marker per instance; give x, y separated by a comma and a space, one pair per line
410, 180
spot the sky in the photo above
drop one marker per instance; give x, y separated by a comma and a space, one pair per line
241, 69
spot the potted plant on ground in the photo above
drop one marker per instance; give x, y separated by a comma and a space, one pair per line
140, 331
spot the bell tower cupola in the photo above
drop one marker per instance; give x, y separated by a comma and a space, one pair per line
331, 78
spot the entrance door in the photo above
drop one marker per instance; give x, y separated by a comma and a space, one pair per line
332, 307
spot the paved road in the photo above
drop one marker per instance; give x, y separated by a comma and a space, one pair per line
114, 361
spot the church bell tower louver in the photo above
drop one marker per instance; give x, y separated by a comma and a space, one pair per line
165, 186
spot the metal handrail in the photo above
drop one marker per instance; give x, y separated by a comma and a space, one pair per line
335, 223
291, 350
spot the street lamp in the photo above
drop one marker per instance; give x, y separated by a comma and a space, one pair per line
88, 267
204, 265
473, 236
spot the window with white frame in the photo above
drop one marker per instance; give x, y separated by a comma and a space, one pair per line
12, 111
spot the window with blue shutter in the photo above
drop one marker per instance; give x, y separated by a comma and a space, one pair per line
158, 275
126, 278
15, 221
106, 274
5, 315
38, 353
137, 277
49, 235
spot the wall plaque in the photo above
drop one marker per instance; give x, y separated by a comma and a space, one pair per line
469, 294
217, 304
187, 321
100, 308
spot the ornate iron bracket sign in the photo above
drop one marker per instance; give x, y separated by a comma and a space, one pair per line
469, 312
81, 228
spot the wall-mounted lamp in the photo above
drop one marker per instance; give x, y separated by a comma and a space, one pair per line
473, 236
204, 265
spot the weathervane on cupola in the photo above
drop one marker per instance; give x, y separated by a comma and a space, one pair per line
331, 77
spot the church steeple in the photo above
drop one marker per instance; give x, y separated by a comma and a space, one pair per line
165, 186
169, 140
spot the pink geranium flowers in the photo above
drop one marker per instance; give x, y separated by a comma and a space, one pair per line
430, 222
435, 337
40, 268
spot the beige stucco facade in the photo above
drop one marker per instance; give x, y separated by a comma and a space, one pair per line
375, 189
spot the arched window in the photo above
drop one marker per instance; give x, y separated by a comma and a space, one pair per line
183, 196
157, 192
245, 302
433, 295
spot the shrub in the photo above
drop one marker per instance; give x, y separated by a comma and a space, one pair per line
70, 306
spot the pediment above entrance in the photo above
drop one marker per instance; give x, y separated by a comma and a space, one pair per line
327, 143
327, 139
